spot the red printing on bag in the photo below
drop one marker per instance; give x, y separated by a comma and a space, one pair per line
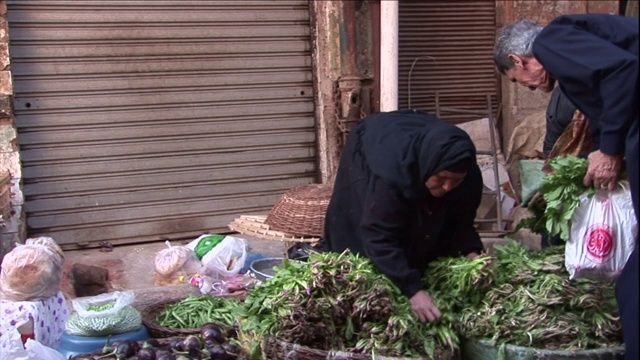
599, 242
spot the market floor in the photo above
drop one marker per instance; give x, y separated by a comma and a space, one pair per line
131, 267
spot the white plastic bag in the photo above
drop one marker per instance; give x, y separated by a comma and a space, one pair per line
603, 235
174, 264
117, 315
120, 299
225, 259
30, 272
11, 348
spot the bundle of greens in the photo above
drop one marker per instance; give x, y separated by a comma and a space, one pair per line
456, 283
533, 303
560, 191
341, 302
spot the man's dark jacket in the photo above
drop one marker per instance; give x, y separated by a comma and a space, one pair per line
594, 58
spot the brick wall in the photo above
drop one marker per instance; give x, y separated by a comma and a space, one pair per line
11, 229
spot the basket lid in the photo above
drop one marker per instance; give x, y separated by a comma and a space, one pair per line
301, 210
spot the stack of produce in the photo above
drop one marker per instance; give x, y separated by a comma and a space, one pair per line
194, 311
530, 301
340, 302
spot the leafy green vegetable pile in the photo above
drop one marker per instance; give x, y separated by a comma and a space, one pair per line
341, 302
561, 191
526, 299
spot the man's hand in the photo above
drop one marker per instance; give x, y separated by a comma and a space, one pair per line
603, 171
535, 197
422, 304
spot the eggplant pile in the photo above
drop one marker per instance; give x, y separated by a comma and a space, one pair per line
212, 343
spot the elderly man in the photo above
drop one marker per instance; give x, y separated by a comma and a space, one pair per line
594, 60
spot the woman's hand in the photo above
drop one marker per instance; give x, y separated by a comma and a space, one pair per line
603, 170
423, 306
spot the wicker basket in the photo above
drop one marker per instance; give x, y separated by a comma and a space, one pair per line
158, 331
255, 225
301, 210
280, 350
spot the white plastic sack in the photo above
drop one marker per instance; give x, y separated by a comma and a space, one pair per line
174, 263
119, 318
121, 299
11, 348
603, 235
225, 259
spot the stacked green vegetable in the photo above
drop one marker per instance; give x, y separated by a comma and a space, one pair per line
561, 192
341, 302
194, 311
530, 302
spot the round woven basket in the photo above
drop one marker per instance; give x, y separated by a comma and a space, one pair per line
300, 211
280, 350
483, 349
275, 349
158, 331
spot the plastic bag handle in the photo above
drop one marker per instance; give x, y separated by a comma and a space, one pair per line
624, 185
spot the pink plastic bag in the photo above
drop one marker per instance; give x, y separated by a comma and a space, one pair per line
603, 235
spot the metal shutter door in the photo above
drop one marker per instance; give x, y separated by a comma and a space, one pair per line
147, 120
450, 45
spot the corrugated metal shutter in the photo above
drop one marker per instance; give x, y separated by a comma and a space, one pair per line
450, 46
147, 120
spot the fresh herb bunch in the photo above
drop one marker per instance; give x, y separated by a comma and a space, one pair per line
561, 192
341, 302
458, 282
532, 303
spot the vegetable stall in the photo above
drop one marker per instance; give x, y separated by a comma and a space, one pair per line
340, 304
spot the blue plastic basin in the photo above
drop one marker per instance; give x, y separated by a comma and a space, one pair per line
71, 345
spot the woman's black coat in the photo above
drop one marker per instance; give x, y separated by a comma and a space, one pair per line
380, 206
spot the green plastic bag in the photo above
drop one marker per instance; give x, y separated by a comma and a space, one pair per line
206, 243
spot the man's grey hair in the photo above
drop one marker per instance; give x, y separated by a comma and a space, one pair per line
516, 38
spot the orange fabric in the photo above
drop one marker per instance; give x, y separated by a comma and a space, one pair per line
575, 139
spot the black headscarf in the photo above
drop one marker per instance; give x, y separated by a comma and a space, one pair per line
406, 147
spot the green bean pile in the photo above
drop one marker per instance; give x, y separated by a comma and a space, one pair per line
194, 311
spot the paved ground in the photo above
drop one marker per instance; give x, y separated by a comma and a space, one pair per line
131, 267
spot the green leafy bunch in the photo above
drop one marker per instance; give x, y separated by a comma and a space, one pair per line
561, 191
341, 302
532, 303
